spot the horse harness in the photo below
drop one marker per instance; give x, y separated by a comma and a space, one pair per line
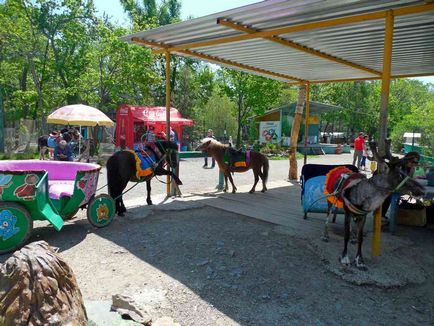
237, 158
338, 182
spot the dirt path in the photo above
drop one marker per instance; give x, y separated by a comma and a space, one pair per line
202, 267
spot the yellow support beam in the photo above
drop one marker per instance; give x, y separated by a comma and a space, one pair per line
307, 26
385, 89
369, 78
222, 61
297, 46
306, 122
168, 100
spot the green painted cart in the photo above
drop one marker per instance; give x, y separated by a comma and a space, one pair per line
47, 190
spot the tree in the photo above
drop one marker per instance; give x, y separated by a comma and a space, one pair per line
251, 94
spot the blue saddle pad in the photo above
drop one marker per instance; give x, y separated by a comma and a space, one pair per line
146, 161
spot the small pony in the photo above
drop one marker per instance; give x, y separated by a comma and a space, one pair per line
122, 167
223, 154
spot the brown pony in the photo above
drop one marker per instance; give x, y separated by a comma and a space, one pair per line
218, 150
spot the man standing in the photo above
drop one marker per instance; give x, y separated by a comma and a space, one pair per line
210, 134
358, 149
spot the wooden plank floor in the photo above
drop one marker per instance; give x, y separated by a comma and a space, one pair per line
280, 205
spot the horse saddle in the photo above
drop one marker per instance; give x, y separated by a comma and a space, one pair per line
237, 158
145, 161
338, 180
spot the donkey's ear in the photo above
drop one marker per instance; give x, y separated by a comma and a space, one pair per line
388, 144
376, 156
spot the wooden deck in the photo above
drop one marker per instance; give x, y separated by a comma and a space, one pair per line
280, 205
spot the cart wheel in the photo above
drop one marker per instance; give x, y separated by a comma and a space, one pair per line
101, 210
71, 215
15, 226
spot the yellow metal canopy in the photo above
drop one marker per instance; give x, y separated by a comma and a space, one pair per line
306, 41
79, 115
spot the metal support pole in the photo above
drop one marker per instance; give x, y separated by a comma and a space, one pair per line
221, 183
306, 122
168, 112
385, 89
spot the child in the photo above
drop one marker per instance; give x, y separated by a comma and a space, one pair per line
365, 154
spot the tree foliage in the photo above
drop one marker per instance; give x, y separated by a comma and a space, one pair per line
58, 52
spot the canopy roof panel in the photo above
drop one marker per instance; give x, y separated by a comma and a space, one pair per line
306, 40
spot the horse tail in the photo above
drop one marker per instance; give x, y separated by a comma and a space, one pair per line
265, 168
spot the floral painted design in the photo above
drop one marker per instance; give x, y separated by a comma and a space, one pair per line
102, 212
7, 225
87, 185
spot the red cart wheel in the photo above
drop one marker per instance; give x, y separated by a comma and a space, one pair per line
16, 226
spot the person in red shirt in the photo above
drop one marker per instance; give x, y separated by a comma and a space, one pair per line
359, 143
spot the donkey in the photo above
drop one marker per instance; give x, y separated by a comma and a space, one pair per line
363, 195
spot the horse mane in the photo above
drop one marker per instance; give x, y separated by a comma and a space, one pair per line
214, 143
166, 144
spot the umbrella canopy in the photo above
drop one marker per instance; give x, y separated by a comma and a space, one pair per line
81, 115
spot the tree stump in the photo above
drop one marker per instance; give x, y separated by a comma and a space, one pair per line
37, 287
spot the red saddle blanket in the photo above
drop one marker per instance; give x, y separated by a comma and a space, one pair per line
337, 180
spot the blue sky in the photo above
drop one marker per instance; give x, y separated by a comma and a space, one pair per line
194, 8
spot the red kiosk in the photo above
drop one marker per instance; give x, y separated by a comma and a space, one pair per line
133, 121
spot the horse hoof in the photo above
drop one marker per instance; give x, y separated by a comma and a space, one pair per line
251, 191
234, 191
263, 190
149, 202
121, 214
362, 268
345, 261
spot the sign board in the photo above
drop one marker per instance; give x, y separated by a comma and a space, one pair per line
269, 132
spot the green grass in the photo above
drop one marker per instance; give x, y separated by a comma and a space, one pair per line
19, 156
299, 156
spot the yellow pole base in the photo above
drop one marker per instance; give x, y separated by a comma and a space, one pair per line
376, 237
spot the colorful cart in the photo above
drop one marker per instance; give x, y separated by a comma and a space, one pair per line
47, 190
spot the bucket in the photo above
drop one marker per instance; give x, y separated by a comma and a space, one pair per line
184, 148
373, 166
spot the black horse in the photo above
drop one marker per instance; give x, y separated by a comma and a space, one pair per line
65, 134
121, 168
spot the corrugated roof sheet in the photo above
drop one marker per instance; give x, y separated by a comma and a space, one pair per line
359, 43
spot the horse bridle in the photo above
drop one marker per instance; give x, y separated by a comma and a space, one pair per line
399, 186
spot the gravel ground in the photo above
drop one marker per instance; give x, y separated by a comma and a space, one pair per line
204, 266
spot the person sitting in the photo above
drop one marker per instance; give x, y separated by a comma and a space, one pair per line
63, 152
411, 160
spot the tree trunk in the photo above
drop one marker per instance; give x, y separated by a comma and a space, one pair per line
39, 92
37, 287
295, 131
240, 104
